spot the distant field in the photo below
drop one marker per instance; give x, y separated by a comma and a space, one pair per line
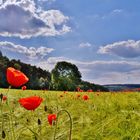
105, 116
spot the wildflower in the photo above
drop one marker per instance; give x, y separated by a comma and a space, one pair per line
81, 90
4, 98
24, 88
30, 103
85, 97
90, 90
78, 95
78, 89
16, 78
51, 118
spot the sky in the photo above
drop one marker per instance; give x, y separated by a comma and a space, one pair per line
101, 37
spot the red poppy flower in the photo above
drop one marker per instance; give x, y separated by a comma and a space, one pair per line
51, 118
81, 90
85, 97
24, 87
30, 103
16, 78
78, 95
90, 90
4, 98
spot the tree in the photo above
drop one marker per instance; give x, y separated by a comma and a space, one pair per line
65, 76
84, 85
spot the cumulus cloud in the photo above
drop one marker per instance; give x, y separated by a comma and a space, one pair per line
49, 1
101, 72
125, 49
31, 52
85, 45
21, 18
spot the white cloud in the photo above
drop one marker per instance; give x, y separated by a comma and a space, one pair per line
101, 72
85, 45
21, 18
111, 14
116, 11
96, 66
125, 49
30, 52
49, 1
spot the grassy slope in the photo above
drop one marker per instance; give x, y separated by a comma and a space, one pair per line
104, 117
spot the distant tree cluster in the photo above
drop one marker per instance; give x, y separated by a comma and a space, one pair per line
64, 76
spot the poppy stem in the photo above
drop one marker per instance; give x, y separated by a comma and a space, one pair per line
1, 107
70, 130
9, 88
7, 101
35, 134
11, 114
33, 119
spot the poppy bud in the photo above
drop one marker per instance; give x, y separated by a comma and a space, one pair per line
61, 95
97, 94
3, 134
39, 122
27, 120
1, 96
45, 108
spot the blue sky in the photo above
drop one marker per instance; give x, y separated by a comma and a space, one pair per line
102, 37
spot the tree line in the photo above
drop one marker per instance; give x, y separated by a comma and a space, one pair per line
65, 76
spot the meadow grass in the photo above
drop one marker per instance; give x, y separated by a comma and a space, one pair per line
107, 116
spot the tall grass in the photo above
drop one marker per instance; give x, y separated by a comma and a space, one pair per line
107, 116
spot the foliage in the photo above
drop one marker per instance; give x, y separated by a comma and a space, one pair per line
65, 76
84, 85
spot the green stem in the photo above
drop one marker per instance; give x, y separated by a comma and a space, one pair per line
2, 118
39, 131
11, 115
70, 132
35, 134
